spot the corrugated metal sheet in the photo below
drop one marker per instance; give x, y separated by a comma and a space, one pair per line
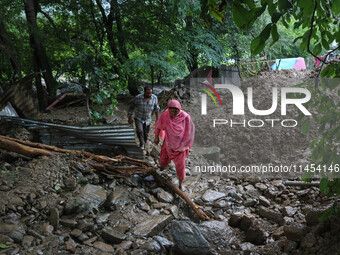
92, 138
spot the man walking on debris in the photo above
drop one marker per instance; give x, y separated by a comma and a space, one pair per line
143, 105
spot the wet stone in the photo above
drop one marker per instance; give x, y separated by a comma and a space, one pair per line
249, 202
188, 239
211, 195
117, 199
271, 215
264, 201
70, 183
289, 211
16, 232
164, 196
112, 236
256, 235
164, 243
152, 226
91, 196
295, 231
103, 247
235, 220
71, 223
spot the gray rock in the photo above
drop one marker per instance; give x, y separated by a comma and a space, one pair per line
256, 235
85, 224
309, 241
152, 226
70, 183
188, 239
27, 241
54, 217
246, 222
112, 236
102, 218
249, 202
235, 196
217, 232
71, 223
235, 219
117, 199
91, 196
261, 186
295, 231
211, 195
271, 215
312, 217
16, 232
103, 247
151, 246
164, 196
264, 201
289, 211
164, 243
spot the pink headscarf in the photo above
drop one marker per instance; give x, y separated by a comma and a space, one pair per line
179, 130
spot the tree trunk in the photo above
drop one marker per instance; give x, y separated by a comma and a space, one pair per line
31, 9
7, 49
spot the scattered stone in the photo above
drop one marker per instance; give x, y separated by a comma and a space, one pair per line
85, 224
117, 199
122, 247
103, 247
295, 231
188, 239
112, 236
278, 233
16, 232
102, 218
312, 217
235, 196
271, 215
211, 195
151, 246
71, 223
76, 233
152, 200
261, 186
164, 196
246, 222
264, 201
164, 243
92, 196
235, 220
289, 211
47, 229
26, 242
256, 235
152, 226
70, 245
249, 202
145, 207
70, 183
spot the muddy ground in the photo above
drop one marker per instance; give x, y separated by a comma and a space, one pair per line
49, 205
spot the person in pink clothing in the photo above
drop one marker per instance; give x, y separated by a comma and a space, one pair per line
177, 131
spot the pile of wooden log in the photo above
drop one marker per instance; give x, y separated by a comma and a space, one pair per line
120, 166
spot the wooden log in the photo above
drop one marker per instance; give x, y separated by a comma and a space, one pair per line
167, 184
22, 149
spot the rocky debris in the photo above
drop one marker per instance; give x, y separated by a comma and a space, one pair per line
152, 226
212, 195
56, 204
271, 215
188, 239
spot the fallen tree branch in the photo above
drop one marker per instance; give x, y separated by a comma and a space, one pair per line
120, 166
28, 151
166, 183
